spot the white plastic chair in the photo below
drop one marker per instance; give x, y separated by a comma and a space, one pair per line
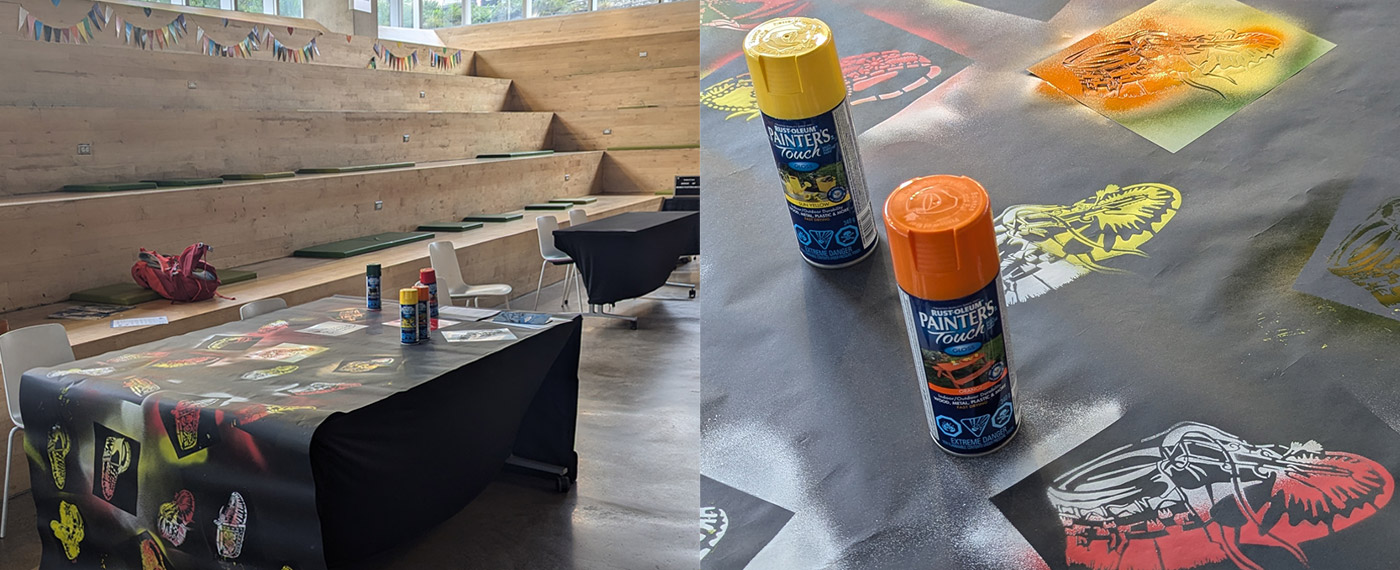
260, 307
545, 226
443, 256
577, 216
21, 350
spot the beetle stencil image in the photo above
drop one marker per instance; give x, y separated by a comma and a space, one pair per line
1045, 247
1194, 495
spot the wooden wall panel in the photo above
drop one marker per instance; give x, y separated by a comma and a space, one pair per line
661, 18
226, 28
77, 242
66, 75
602, 92
39, 149
657, 126
647, 171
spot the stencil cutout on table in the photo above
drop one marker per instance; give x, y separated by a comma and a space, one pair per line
886, 69
1174, 70
1177, 486
745, 15
1041, 10
1045, 247
1357, 262
734, 525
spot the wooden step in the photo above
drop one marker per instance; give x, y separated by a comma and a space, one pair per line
74, 241
497, 253
143, 144
70, 75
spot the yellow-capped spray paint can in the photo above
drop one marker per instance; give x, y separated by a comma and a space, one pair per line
802, 95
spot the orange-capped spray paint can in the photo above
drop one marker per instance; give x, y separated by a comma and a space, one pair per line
944, 247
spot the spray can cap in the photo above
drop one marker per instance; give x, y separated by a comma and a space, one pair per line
408, 296
427, 275
422, 294
941, 237
372, 269
794, 67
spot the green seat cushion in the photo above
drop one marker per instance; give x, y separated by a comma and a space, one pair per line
449, 226
360, 168
186, 181
581, 200
515, 154
548, 206
231, 276
116, 294
490, 218
114, 187
258, 175
361, 245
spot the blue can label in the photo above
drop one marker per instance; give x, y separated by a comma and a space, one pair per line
408, 323
423, 321
964, 369
825, 188
432, 300
372, 292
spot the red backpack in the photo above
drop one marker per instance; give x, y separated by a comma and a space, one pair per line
186, 278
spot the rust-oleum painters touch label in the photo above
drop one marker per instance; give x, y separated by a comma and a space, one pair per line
944, 249
802, 95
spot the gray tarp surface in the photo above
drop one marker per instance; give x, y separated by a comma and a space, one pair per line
810, 401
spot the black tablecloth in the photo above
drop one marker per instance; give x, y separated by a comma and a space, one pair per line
344, 446
631, 254
812, 419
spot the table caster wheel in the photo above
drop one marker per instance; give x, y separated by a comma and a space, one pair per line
634, 326
692, 293
563, 484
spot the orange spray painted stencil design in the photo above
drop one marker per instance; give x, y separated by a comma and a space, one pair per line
1174, 70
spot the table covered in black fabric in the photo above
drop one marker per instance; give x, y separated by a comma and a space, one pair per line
306, 449
631, 254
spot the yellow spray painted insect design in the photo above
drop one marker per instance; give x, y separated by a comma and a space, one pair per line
863, 72
1045, 247
1149, 61
59, 445
68, 529
1369, 255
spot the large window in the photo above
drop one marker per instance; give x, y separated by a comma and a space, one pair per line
291, 8
448, 13
558, 7
487, 11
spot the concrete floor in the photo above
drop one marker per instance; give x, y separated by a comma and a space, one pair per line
638, 493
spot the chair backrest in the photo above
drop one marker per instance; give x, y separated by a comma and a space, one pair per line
260, 307
30, 347
443, 257
546, 225
577, 216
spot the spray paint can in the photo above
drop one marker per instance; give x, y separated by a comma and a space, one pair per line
408, 316
372, 287
802, 95
944, 248
428, 276
423, 319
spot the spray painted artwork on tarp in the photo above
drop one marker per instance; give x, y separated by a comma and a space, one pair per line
729, 512
1357, 263
192, 451
1041, 10
885, 69
1045, 247
1177, 68
1185, 484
